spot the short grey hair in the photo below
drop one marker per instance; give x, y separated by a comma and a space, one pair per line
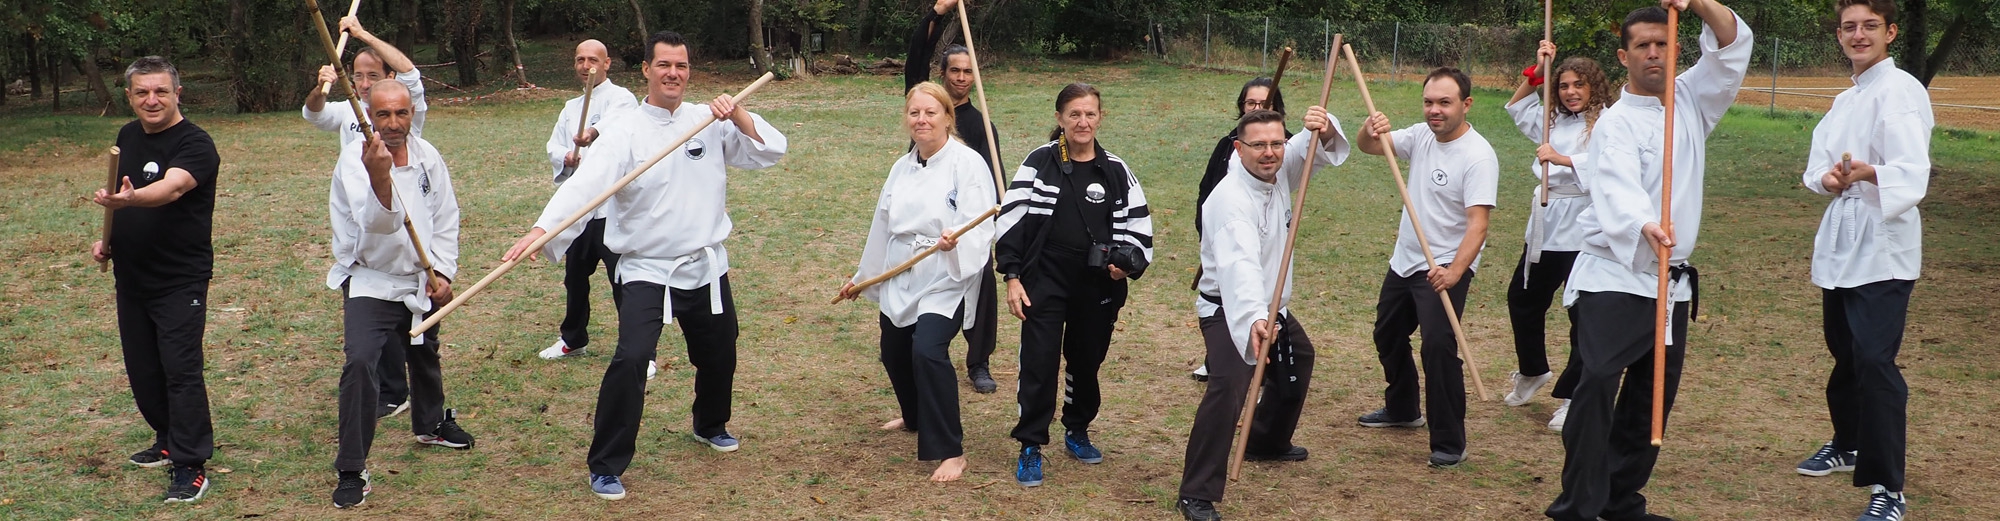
152, 65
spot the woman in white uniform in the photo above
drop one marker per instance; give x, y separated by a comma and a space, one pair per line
931, 191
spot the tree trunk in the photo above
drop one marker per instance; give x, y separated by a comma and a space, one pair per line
639, 17
406, 37
88, 66
55, 83
760, 51
1965, 13
1916, 39
520, 73
462, 20
34, 66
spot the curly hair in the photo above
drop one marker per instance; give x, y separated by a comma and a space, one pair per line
1593, 78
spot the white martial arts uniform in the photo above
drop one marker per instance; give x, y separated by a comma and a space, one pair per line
606, 98
1445, 178
1625, 170
1247, 221
1872, 231
669, 224
372, 253
1554, 228
338, 117
922, 200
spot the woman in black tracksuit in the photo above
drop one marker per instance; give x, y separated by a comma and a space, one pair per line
1073, 229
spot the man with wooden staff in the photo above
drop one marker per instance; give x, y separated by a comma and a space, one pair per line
1614, 286
565, 148
1247, 216
1453, 181
376, 62
164, 213
667, 228
956, 68
381, 183
1871, 153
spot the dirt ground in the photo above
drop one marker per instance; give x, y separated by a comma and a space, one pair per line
1816, 94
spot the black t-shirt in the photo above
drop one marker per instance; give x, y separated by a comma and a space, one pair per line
1083, 214
160, 249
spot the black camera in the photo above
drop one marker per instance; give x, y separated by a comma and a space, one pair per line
1098, 254
1126, 257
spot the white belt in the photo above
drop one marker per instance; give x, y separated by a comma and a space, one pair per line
417, 301
714, 276
1537, 221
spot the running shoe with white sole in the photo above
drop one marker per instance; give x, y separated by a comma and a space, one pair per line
721, 442
352, 490
1380, 419
151, 458
1884, 506
186, 484
448, 434
652, 368
607, 487
1525, 387
559, 349
1561, 416
1827, 461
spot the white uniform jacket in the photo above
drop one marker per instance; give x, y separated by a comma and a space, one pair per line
1871, 232
372, 253
921, 201
1246, 221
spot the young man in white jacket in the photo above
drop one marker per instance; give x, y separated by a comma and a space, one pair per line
1868, 252
667, 228
1248, 217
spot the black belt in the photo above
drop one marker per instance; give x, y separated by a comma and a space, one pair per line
1687, 272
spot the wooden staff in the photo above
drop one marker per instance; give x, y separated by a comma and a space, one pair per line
905, 266
979, 85
1664, 301
1284, 58
110, 186
367, 131
338, 49
582, 121
1548, 90
1396, 171
580, 213
1242, 442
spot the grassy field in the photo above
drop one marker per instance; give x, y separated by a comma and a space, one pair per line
809, 391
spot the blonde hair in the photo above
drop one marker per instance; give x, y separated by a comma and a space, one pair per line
943, 98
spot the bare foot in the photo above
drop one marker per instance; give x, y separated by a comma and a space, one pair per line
950, 470
893, 425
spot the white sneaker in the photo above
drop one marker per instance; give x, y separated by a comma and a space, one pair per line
559, 350
1562, 413
652, 368
1200, 374
1525, 387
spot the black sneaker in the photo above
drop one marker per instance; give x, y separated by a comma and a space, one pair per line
448, 434
1441, 460
152, 457
185, 484
982, 380
1882, 506
1296, 453
1828, 460
1197, 510
352, 490
1380, 418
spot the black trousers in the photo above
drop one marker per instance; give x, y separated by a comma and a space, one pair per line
162, 340
984, 335
1407, 305
579, 263
1866, 395
1529, 295
375, 327
1608, 454
711, 345
1073, 313
918, 360
1286, 380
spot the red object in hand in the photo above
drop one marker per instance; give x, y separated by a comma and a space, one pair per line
1534, 74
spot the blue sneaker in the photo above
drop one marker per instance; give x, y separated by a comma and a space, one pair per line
721, 442
1884, 506
1828, 460
1079, 446
607, 487
1028, 468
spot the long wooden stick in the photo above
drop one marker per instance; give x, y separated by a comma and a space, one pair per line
1396, 171
1548, 90
580, 213
906, 265
340, 48
582, 120
1284, 59
1665, 302
367, 131
1242, 443
110, 186
979, 86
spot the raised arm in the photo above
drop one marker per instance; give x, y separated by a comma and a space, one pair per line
924, 41
392, 57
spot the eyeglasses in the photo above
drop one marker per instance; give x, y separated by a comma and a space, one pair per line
1263, 146
370, 76
1851, 28
1257, 104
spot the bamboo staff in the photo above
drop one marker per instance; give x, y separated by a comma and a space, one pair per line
582, 120
110, 186
1242, 442
1396, 171
367, 130
580, 213
906, 265
338, 49
1548, 90
1664, 303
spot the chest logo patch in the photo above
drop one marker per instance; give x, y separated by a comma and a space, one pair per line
150, 172
1438, 177
1094, 193
424, 180
951, 199
696, 149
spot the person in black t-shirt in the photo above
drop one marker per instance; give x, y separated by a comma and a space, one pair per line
162, 219
956, 67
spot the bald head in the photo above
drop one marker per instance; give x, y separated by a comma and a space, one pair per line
591, 53
390, 112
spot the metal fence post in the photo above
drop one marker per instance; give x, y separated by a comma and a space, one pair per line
1205, 35
1396, 53
1326, 36
1264, 62
1775, 46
